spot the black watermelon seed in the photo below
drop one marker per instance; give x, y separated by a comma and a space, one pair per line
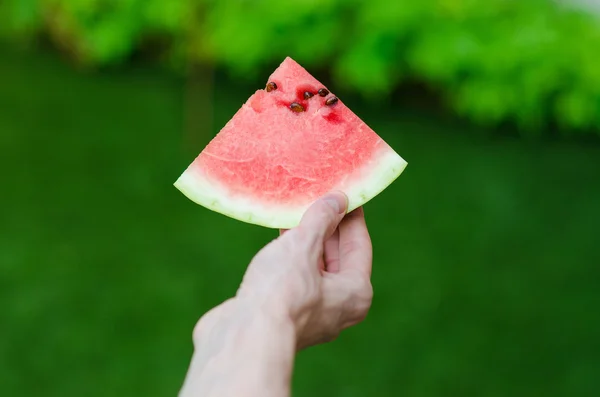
323, 92
308, 95
271, 86
296, 107
331, 101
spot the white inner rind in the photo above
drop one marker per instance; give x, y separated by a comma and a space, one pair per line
360, 187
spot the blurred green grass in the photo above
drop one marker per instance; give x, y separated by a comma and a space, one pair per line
486, 254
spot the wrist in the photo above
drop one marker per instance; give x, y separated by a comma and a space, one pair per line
238, 317
271, 309
242, 349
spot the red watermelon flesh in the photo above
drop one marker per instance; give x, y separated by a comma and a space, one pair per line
286, 147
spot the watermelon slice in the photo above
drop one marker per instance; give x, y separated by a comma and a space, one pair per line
289, 144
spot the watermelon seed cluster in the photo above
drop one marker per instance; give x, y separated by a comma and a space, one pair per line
330, 101
298, 108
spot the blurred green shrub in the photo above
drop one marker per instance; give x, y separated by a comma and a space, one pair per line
531, 62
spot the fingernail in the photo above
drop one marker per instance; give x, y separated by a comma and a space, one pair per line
337, 201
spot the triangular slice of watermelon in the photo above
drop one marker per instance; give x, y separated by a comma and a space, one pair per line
289, 144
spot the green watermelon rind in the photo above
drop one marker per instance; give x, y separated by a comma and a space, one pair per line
363, 185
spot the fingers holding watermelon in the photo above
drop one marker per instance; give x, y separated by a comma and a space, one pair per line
356, 239
346, 290
316, 274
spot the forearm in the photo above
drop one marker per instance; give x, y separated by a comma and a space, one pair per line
244, 352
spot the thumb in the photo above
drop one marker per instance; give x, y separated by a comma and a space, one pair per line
322, 218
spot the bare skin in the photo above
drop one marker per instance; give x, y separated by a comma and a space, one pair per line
300, 290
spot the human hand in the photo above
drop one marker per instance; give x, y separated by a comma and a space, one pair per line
316, 275
302, 289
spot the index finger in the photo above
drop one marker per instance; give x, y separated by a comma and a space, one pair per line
356, 250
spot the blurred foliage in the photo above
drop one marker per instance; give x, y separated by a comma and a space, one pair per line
534, 63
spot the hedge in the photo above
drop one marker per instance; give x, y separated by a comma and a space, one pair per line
534, 63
